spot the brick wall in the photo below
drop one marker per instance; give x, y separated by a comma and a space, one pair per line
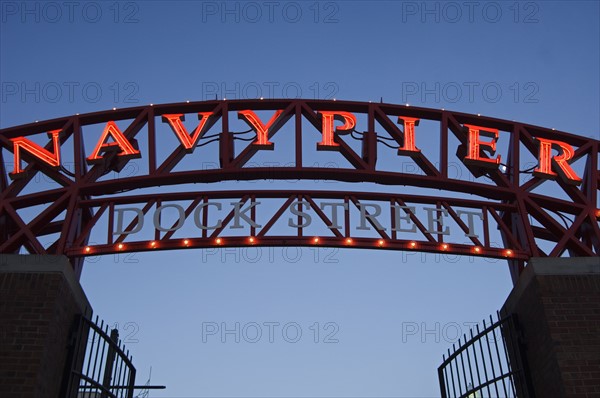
38, 302
557, 302
572, 308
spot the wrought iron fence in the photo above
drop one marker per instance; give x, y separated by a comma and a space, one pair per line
489, 364
99, 366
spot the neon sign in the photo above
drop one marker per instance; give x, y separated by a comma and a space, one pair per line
550, 166
372, 139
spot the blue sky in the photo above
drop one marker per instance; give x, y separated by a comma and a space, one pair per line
384, 319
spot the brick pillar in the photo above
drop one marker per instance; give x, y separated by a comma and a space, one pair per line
39, 299
557, 301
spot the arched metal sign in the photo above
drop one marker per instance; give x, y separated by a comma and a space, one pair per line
84, 205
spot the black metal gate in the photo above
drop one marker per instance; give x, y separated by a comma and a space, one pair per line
98, 365
489, 364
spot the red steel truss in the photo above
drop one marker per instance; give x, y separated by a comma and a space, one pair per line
508, 199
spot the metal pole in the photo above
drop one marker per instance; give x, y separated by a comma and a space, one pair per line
110, 359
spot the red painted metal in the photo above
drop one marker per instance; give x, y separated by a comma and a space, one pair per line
81, 197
